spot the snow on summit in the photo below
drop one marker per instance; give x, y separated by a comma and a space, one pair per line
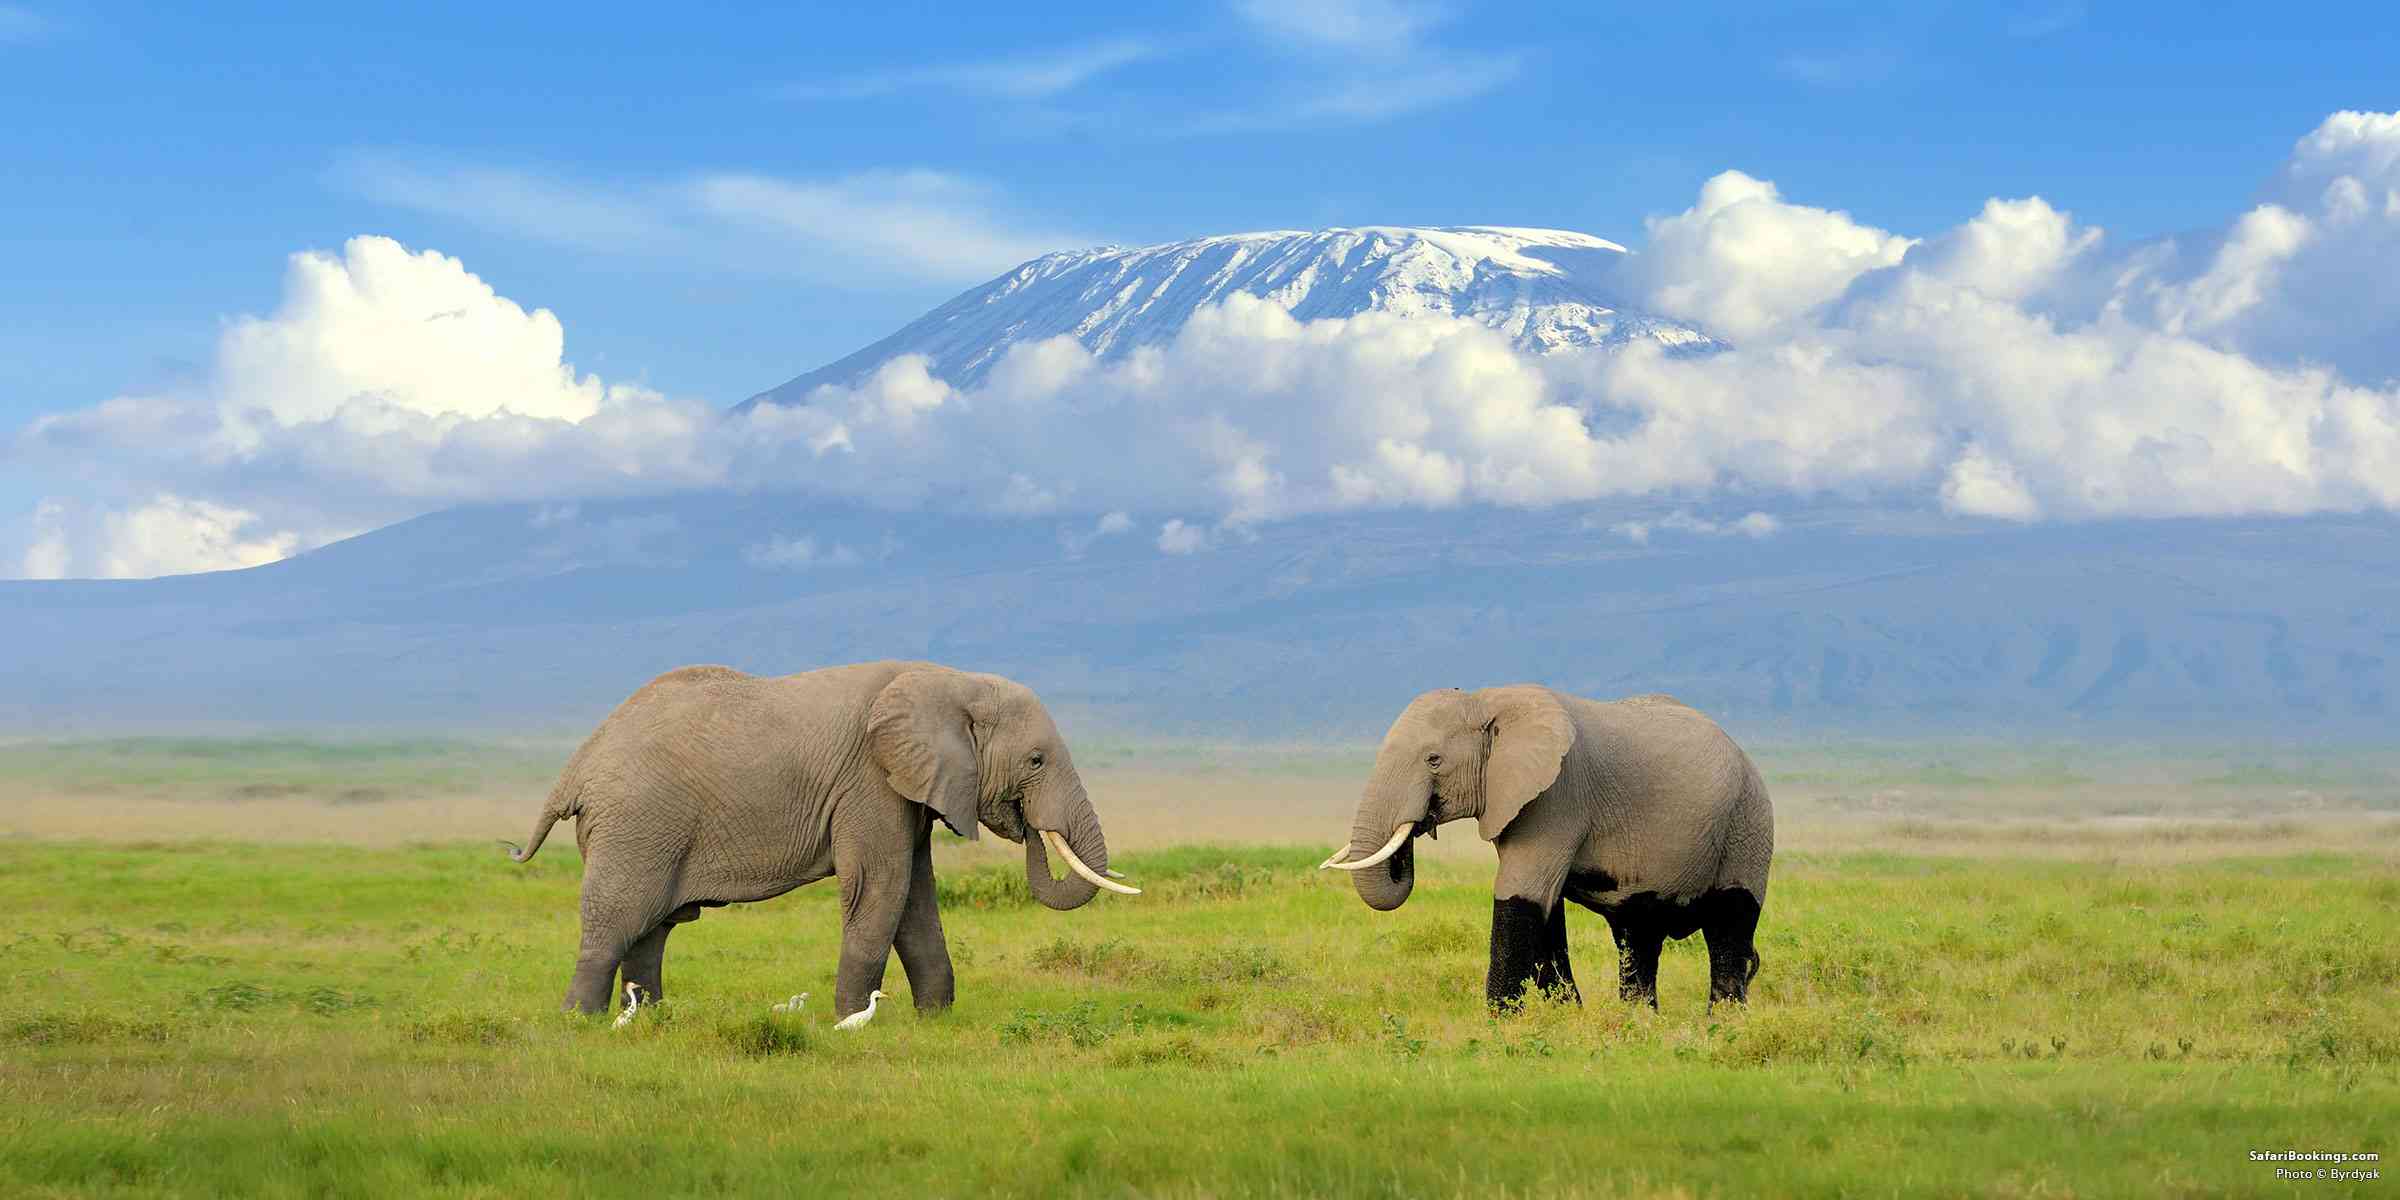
1546, 289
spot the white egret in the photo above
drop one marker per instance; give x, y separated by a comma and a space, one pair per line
792, 1005
859, 1019
633, 1004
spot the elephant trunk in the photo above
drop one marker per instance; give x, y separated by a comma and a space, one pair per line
1079, 831
1386, 885
1385, 826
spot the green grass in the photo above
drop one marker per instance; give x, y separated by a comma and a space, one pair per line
207, 1019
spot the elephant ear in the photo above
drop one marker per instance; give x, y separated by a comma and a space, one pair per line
920, 730
1530, 735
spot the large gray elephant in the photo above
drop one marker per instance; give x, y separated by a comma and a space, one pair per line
1641, 810
711, 787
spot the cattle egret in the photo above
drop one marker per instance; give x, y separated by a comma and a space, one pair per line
633, 1004
861, 1017
792, 1005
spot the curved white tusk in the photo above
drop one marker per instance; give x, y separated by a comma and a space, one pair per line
1390, 848
1058, 845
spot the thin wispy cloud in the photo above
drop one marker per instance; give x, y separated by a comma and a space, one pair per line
1848, 67
1356, 62
2044, 20
21, 26
1023, 77
1372, 99
941, 224
912, 224
1306, 63
1371, 27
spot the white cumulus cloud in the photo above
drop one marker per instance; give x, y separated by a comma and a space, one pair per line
162, 534
2019, 366
415, 331
1743, 261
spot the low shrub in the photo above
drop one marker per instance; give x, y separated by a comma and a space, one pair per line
767, 1035
84, 1028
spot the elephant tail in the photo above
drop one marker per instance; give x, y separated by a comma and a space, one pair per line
565, 801
1754, 965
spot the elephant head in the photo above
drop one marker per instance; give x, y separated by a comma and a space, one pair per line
1451, 755
981, 750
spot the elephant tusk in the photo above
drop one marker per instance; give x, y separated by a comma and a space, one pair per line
1390, 848
1059, 846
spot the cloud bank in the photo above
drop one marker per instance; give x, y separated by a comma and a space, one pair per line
2019, 366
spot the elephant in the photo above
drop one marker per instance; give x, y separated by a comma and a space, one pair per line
710, 787
1641, 809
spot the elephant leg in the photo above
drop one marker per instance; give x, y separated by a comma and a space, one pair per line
646, 960
874, 861
1520, 946
612, 923
1552, 973
591, 988
1638, 943
924, 955
645, 964
1731, 930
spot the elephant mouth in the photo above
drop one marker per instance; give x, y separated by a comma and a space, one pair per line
1054, 843
1006, 817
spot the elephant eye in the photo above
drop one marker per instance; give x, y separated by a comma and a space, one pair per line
1433, 760
1034, 759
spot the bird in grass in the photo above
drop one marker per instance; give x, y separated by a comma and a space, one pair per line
633, 1004
859, 1019
792, 1005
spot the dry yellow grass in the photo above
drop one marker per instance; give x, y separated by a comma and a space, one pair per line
1207, 801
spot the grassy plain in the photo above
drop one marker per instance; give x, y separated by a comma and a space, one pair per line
292, 967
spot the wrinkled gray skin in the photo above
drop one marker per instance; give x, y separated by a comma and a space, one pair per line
710, 787
1642, 810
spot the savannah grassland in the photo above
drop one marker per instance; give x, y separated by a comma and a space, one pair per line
302, 967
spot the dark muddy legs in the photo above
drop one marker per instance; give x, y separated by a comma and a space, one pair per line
1638, 941
1642, 925
1731, 928
1528, 945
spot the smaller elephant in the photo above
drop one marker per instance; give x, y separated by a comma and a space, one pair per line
711, 787
1641, 810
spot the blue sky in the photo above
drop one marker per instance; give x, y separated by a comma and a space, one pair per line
715, 200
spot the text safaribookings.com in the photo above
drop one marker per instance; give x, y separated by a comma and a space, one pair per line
2335, 1172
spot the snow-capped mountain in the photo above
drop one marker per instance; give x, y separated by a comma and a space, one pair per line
1547, 289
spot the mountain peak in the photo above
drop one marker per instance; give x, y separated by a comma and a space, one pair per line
1547, 290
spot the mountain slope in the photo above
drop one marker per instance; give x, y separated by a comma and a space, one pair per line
514, 615
1546, 289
